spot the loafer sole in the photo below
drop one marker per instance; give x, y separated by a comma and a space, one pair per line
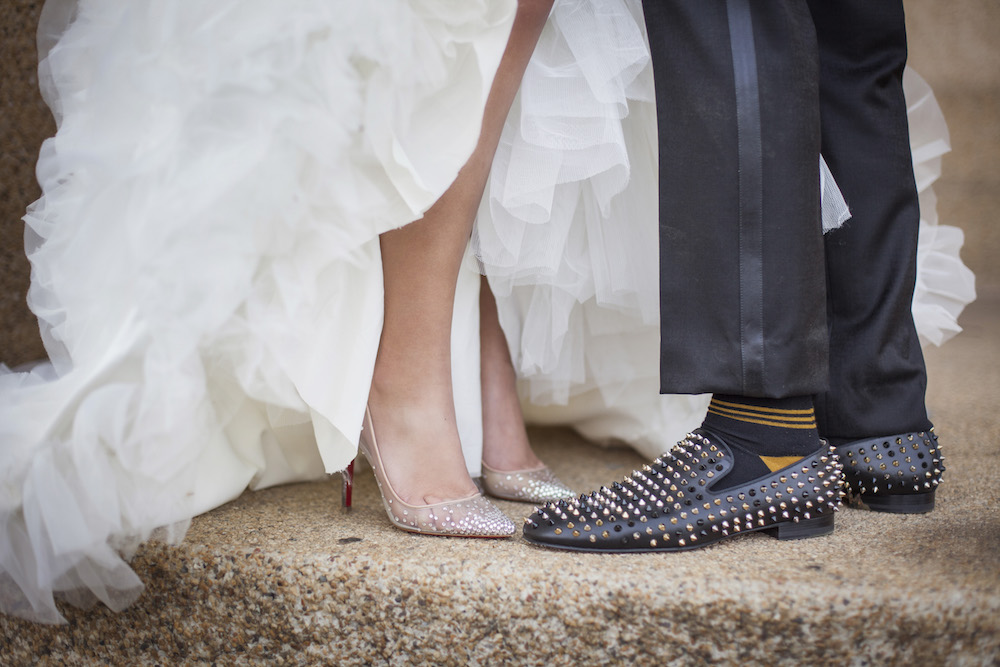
791, 530
916, 503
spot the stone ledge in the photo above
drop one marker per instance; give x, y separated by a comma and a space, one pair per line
415, 600
284, 575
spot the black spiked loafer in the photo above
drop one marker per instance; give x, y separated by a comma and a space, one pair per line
896, 473
672, 504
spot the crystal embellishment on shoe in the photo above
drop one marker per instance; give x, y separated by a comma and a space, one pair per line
671, 505
534, 485
896, 473
473, 516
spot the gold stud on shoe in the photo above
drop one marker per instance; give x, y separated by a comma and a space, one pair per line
651, 497
908, 490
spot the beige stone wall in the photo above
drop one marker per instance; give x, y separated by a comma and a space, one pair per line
24, 123
953, 44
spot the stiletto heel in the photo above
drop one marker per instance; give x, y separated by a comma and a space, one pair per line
473, 516
347, 480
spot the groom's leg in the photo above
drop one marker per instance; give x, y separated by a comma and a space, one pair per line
742, 289
742, 286
741, 251
877, 374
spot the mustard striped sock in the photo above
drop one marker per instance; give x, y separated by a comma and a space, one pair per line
766, 433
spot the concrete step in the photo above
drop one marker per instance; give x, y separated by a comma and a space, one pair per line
285, 575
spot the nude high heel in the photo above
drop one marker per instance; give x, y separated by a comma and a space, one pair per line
473, 516
534, 485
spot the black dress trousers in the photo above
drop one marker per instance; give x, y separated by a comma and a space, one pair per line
877, 373
742, 286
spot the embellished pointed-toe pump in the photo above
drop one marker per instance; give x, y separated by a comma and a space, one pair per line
533, 485
896, 473
673, 504
473, 516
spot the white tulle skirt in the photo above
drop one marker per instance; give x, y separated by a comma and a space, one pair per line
206, 269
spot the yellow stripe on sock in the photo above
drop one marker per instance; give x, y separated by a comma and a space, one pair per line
764, 422
774, 411
736, 414
776, 463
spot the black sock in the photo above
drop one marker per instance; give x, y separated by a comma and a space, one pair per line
765, 434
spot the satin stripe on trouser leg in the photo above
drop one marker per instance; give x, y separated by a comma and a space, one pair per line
742, 289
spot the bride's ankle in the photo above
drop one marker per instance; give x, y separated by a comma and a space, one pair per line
509, 453
405, 399
419, 445
505, 438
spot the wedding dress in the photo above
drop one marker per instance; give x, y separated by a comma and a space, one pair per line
206, 269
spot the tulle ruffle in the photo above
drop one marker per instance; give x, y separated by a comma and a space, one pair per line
944, 284
205, 264
567, 237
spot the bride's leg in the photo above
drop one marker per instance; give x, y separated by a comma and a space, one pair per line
505, 441
411, 396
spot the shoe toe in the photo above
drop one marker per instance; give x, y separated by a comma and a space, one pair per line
527, 486
552, 534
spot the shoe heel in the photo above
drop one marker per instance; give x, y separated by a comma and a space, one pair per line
821, 525
472, 516
347, 485
913, 503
